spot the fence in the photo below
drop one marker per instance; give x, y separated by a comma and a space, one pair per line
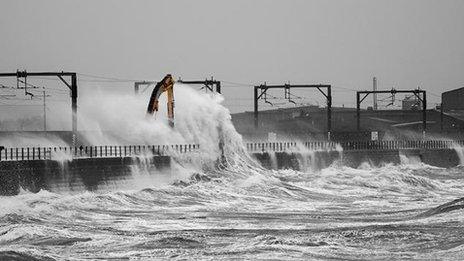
283, 146
46, 153
401, 144
355, 145
42, 153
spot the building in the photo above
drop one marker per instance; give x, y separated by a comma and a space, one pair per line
453, 100
411, 103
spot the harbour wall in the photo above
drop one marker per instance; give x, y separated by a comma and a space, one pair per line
317, 160
320, 154
75, 175
92, 168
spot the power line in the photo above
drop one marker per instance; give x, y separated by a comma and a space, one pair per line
344, 88
238, 83
22, 105
107, 78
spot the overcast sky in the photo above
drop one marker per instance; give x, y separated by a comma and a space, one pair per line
344, 43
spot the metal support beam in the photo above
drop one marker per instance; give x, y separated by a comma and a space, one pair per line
358, 114
329, 112
212, 85
22, 74
424, 113
137, 85
65, 82
74, 106
256, 105
374, 88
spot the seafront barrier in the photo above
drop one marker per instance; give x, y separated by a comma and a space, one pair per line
321, 154
81, 168
49, 153
94, 167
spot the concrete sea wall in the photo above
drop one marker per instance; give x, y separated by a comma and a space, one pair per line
321, 159
92, 168
78, 174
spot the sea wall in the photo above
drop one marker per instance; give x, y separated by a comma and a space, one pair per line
96, 173
321, 159
77, 174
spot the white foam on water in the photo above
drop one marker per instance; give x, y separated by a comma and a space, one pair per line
307, 158
409, 160
460, 151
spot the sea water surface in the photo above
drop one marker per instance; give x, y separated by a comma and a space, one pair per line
390, 212
202, 210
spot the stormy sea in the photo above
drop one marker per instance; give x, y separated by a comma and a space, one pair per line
235, 209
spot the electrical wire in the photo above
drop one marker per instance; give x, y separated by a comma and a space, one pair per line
107, 78
22, 105
28, 84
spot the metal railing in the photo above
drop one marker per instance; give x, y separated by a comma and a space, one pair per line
401, 144
284, 146
354, 145
48, 153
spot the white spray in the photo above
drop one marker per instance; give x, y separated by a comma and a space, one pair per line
116, 119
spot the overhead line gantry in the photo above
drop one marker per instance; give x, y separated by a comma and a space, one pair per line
328, 95
416, 92
211, 85
72, 86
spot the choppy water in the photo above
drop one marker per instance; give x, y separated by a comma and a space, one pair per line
402, 212
237, 210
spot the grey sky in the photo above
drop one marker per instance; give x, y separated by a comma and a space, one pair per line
344, 43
